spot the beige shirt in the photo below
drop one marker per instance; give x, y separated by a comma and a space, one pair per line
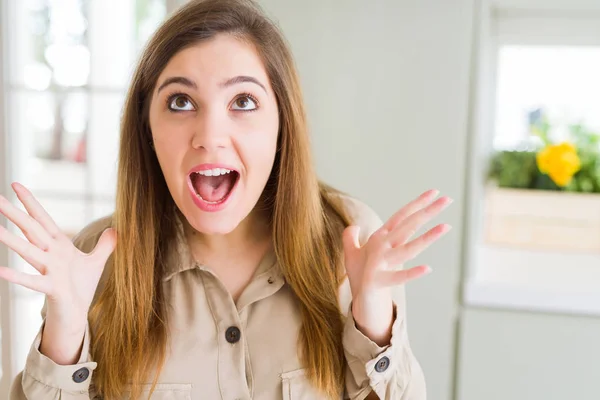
222, 350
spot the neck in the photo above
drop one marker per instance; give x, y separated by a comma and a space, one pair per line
252, 234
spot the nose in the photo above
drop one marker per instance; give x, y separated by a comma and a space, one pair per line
211, 131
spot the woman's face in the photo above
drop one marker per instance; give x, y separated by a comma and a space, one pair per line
215, 123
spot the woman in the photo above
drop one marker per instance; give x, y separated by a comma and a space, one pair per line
227, 270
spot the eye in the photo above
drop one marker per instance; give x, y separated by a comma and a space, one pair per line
180, 102
245, 103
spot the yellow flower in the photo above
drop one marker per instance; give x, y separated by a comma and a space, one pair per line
560, 162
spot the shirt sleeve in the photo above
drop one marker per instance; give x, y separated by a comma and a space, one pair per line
392, 372
42, 378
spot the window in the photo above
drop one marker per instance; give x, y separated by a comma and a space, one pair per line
68, 64
563, 81
537, 61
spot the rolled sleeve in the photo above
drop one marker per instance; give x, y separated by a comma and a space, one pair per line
42, 378
392, 372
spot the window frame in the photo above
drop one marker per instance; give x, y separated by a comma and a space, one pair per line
8, 294
514, 22
5, 303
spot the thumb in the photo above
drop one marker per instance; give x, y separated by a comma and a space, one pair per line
350, 238
106, 245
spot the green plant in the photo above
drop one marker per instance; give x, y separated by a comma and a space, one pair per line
520, 168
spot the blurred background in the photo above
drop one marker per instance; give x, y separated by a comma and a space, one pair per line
494, 102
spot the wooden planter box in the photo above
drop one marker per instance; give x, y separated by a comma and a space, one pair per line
542, 220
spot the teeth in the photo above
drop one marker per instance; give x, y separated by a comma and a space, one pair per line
214, 172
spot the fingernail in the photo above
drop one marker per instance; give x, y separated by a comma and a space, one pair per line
427, 270
429, 194
446, 200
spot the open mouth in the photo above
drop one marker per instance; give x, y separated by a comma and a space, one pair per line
214, 186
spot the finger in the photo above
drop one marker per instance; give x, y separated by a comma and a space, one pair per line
35, 209
30, 253
350, 238
409, 209
32, 230
403, 253
105, 246
38, 283
399, 277
410, 225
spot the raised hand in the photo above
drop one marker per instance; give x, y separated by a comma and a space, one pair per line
67, 276
374, 268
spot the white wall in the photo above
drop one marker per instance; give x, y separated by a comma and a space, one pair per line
387, 88
528, 356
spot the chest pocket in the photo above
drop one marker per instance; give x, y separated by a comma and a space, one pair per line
164, 391
296, 386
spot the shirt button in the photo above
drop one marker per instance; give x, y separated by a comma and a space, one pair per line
81, 375
232, 334
382, 364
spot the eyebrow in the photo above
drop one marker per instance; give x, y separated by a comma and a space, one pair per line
192, 85
178, 79
241, 79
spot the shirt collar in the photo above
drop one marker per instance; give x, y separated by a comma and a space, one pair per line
179, 257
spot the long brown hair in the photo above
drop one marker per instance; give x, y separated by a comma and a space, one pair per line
129, 318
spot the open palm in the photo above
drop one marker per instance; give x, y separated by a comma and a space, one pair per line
67, 276
375, 265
